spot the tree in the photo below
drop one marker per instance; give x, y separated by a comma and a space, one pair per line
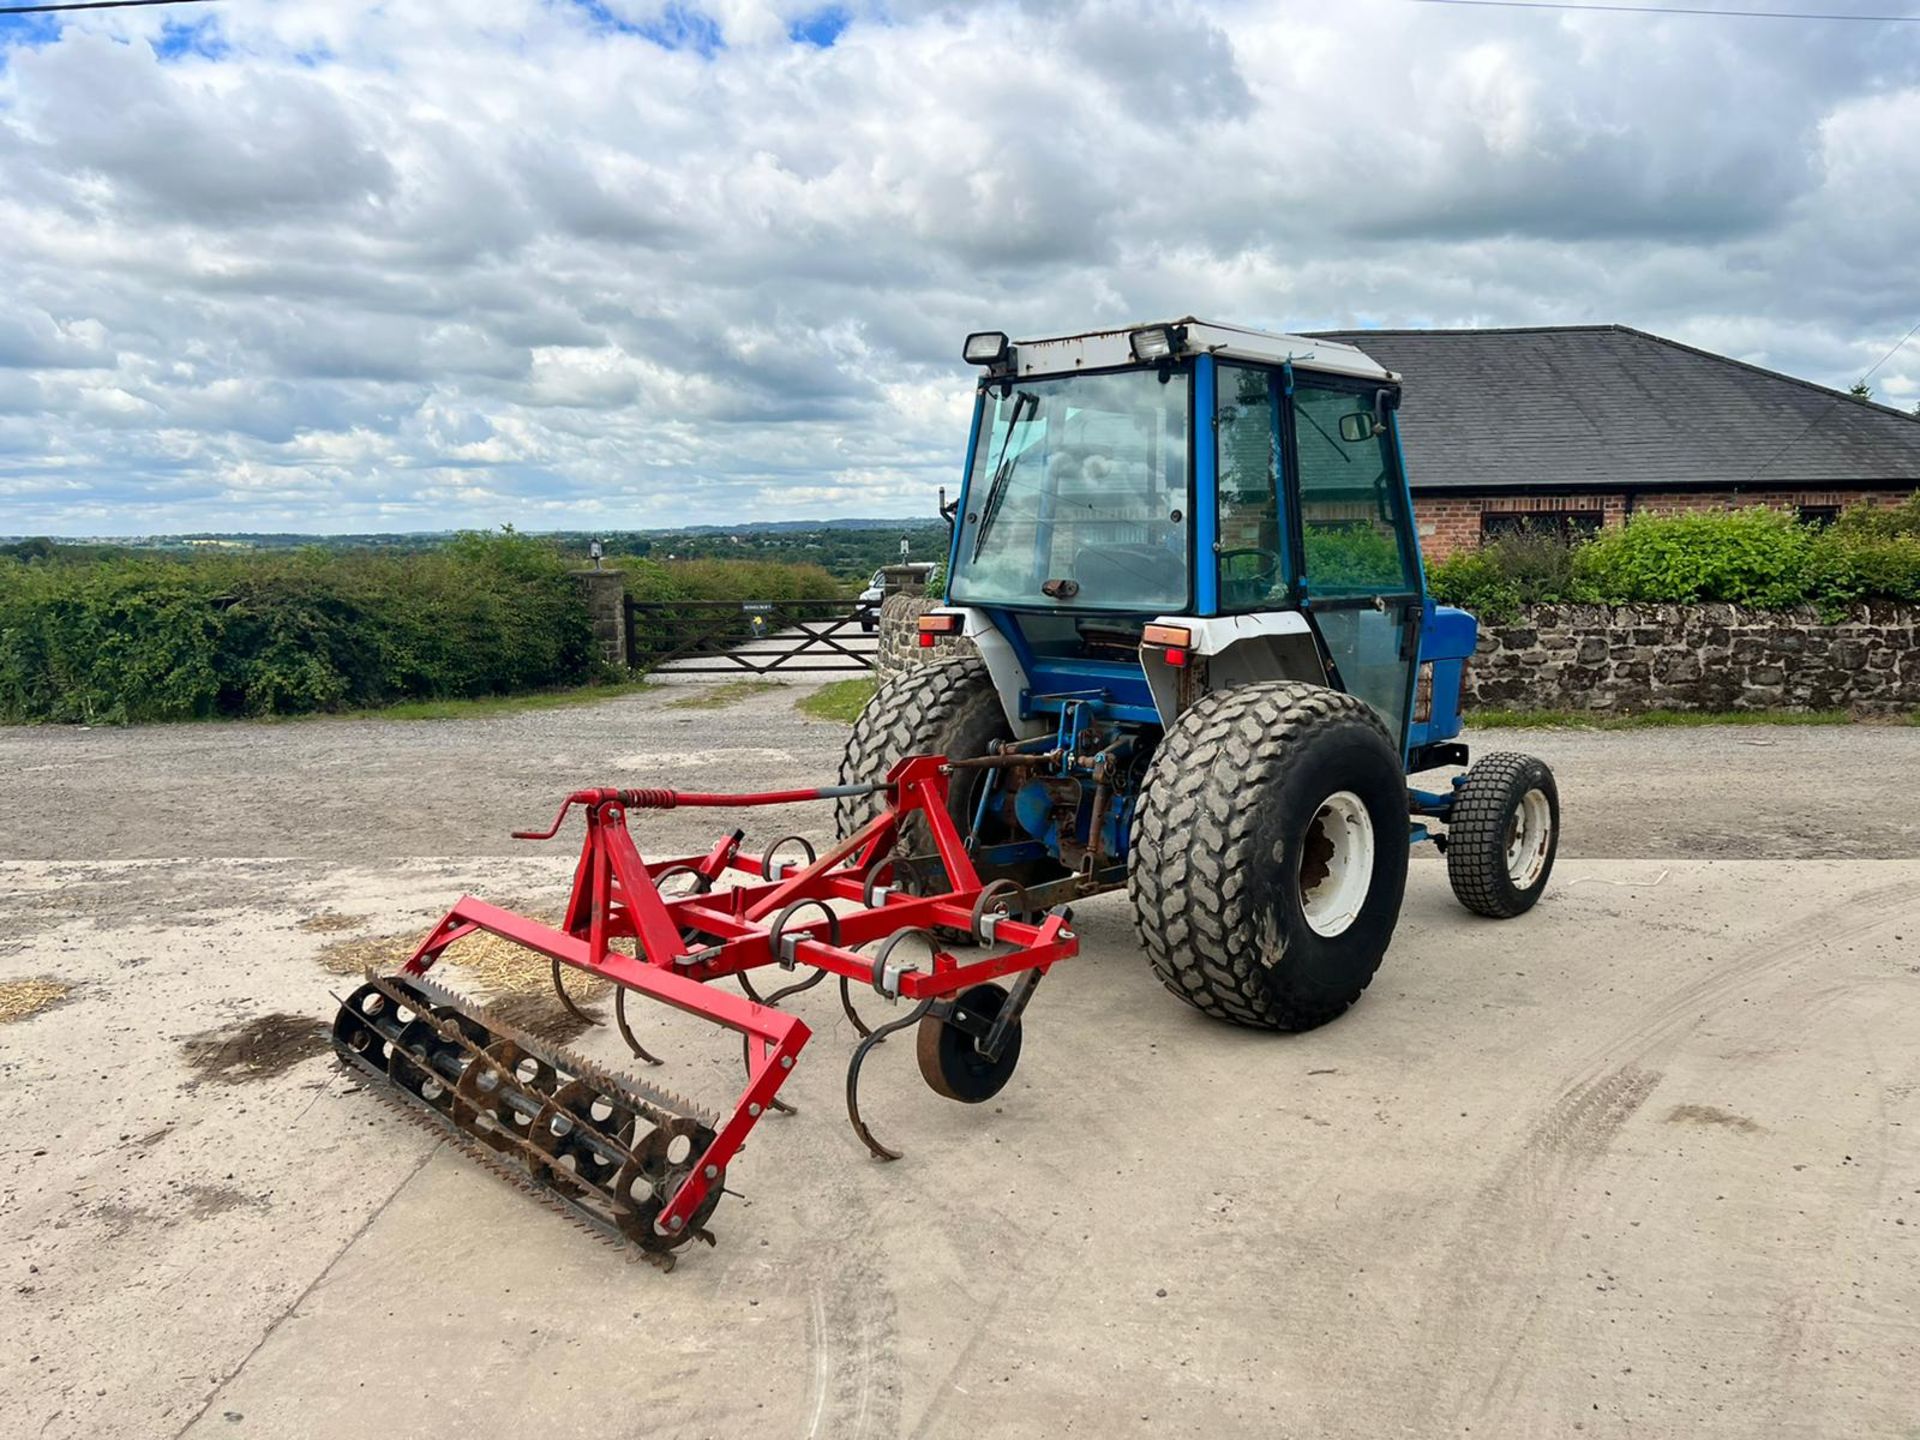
1860, 390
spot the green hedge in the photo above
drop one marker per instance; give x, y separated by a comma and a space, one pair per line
147, 638
1760, 558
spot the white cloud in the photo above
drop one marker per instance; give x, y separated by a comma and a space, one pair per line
332, 266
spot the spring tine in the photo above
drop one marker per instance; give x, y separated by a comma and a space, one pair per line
746, 987
877, 1037
626, 1031
807, 984
846, 1004
567, 1000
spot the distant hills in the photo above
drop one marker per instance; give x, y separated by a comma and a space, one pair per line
280, 540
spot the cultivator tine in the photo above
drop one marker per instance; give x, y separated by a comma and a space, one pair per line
566, 1001
846, 1004
876, 1037
640, 1051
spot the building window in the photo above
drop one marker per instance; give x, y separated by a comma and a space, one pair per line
1564, 525
1816, 517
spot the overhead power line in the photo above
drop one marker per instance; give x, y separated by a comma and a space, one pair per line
1807, 429
90, 5
1677, 10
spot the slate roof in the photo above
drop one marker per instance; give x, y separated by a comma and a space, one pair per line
1591, 406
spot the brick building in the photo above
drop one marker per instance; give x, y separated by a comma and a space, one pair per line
1580, 426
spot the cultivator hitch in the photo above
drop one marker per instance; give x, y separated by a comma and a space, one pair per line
637, 1164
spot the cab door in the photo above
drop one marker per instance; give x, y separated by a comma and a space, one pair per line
1356, 566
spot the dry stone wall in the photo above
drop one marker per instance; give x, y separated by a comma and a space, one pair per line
1624, 658
900, 636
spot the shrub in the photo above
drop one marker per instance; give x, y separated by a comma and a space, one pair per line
1474, 580
1876, 522
123, 638
1759, 558
1755, 557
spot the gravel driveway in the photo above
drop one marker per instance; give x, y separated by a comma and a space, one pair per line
1641, 1163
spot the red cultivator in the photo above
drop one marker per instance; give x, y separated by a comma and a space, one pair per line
637, 1163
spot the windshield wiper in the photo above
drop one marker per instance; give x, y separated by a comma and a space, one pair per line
1331, 442
1003, 470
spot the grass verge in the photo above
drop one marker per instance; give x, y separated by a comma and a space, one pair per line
843, 701
483, 706
721, 696
1665, 719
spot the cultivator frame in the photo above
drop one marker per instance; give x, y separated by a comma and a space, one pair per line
813, 913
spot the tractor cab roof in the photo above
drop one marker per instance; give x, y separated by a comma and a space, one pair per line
1106, 349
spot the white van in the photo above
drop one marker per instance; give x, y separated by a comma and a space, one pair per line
867, 608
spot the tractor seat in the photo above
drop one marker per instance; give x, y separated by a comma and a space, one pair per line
1110, 639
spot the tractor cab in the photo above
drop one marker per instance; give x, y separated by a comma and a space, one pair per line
1146, 504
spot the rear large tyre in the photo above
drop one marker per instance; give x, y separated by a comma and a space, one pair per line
1270, 854
947, 708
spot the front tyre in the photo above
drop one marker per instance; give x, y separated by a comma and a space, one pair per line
1270, 854
1502, 835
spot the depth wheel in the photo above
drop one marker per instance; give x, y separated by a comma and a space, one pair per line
1503, 834
951, 1060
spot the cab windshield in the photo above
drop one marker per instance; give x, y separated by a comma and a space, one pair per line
1078, 496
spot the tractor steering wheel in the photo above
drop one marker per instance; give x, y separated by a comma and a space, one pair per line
1262, 579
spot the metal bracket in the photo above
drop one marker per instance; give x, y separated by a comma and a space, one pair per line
887, 970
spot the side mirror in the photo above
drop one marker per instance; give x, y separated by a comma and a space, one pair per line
1355, 428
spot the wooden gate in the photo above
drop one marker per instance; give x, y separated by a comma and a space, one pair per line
754, 637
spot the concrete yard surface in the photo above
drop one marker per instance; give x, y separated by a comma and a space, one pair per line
1640, 1163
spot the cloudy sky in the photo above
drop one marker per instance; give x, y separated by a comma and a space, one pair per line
320, 265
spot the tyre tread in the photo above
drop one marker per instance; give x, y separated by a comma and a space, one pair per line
1476, 830
1193, 835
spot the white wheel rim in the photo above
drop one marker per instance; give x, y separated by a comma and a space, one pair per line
1529, 836
1336, 864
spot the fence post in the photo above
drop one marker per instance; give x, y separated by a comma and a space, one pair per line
605, 592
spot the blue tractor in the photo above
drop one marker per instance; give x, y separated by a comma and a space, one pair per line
1199, 661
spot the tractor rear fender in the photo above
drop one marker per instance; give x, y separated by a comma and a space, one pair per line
1224, 652
1009, 675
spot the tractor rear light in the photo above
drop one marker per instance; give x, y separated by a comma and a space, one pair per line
985, 347
1176, 657
1177, 635
933, 626
1157, 342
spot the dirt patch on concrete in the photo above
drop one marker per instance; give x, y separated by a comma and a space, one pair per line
23, 999
208, 1200
1711, 1115
265, 1046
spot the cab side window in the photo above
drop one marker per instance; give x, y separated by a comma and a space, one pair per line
1351, 531
1250, 551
